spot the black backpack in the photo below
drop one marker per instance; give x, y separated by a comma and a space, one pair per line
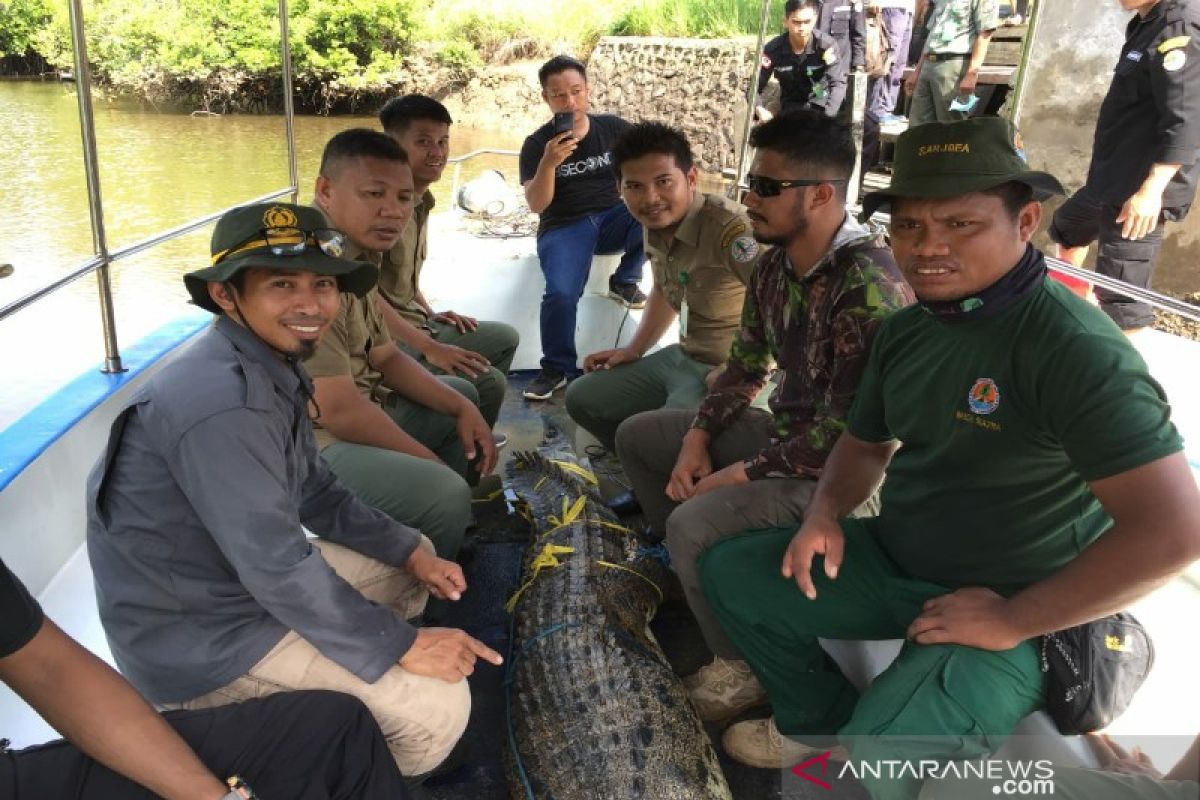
1093, 670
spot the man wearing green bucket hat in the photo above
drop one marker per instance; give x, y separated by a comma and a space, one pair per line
208, 589
1034, 483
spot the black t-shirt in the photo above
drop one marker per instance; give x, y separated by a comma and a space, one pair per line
20, 614
584, 183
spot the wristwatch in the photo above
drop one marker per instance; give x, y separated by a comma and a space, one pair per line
239, 789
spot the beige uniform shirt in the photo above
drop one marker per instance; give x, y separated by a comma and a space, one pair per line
400, 271
342, 350
707, 261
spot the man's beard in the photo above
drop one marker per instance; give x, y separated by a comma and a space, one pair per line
305, 350
784, 239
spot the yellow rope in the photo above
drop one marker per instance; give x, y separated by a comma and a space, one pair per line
575, 469
547, 559
540, 483
611, 565
489, 498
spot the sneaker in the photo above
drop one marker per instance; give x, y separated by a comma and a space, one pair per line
724, 689
627, 294
758, 743
499, 439
542, 386
893, 119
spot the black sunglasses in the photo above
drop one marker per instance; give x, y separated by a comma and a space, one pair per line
763, 186
287, 241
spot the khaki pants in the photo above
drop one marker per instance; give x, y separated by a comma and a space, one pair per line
421, 718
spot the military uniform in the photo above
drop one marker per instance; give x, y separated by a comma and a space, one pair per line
399, 282
1151, 115
811, 79
702, 270
953, 27
432, 497
845, 23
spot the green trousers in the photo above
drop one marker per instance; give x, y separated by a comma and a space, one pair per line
431, 497
933, 702
669, 378
936, 88
495, 341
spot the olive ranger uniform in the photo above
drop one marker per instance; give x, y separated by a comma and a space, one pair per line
811, 79
1151, 115
702, 270
954, 26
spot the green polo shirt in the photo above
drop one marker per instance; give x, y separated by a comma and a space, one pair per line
708, 259
400, 270
1003, 422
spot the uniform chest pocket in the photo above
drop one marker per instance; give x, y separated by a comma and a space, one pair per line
1130, 78
839, 25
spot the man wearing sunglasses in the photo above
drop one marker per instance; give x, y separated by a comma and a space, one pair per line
812, 307
1034, 483
398, 436
207, 586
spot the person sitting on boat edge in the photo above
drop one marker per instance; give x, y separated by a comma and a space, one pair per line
569, 185
1034, 483
207, 587
324, 744
445, 342
813, 306
701, 255
395, 434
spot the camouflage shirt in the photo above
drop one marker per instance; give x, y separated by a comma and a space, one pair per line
818, 328
955, 24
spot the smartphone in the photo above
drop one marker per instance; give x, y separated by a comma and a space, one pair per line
564, 122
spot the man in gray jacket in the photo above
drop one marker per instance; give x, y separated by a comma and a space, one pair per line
209, 590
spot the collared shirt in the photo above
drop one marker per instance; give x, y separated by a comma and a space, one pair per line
818, 328
708, 260
400, 270
1151, 113
846, 23
195, 536
345, 348
954, 25
809, 79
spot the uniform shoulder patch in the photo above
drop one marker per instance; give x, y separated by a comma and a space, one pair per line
1174, 60
732, 232
1174, 43
765, 61
743, 249
830, 56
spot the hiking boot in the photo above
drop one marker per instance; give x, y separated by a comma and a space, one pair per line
544, 384
627, 294
724, 689
758, 743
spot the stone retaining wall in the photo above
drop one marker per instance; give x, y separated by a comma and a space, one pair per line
697, 85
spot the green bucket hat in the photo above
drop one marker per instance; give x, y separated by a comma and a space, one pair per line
277, 236
945, 159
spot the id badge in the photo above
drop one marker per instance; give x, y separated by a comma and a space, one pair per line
683, 318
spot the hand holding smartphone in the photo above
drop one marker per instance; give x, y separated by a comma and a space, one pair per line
564, 122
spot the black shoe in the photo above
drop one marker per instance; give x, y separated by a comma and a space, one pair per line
627, 294
625, 504
542, 386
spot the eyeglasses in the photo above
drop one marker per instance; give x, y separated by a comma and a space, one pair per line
287, 242
763, 186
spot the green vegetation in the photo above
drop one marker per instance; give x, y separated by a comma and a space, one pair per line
352, 42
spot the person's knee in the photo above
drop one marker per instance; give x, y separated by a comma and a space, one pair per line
463, 386
443, 730
446, 512
505, 337
690, 532
578, 394
630, 434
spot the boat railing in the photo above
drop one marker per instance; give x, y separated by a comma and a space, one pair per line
103, 257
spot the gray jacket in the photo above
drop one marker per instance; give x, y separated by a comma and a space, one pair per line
194, 527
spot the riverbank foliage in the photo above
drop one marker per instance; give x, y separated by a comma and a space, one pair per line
353, 42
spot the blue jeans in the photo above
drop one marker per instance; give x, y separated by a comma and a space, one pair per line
566, 256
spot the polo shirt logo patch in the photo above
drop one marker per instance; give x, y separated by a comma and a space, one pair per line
744, 249
1174, 60
984, 397
1134, 55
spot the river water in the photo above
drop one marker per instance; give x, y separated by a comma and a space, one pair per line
157, 171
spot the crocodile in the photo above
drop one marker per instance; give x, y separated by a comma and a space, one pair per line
594, 708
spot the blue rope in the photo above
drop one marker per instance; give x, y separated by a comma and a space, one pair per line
658, 551
509, 676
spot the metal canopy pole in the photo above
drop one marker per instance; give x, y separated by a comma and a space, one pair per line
83, 91
751, 94
285, 48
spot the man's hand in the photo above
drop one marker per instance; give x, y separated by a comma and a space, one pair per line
462, 322
1114, 758
874, 7
447, 654
817, 536
761, 113
966, 86
477, 437
729, 476
558, 148
975, 617
910, 83
444, 579
607, 359
692, 464
455, 360
1139, 215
